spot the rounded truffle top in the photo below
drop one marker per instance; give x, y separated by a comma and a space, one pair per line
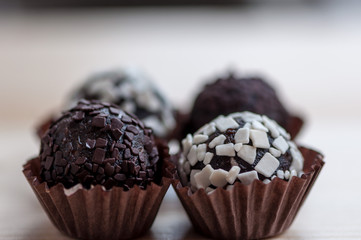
97, 143
236, 94
132, 91
240, 147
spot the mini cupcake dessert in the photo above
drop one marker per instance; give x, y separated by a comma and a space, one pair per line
232, 93
230, 166
99, 173
132, 92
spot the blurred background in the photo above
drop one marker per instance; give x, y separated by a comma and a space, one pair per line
309, 50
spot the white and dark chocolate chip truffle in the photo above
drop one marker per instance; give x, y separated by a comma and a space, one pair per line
233, 93
132, 92
240, 147
97, 143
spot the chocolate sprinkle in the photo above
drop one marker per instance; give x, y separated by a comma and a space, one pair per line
97, 143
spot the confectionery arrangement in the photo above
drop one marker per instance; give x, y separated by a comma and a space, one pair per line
98, 143
105, 160
133, 92
239, 147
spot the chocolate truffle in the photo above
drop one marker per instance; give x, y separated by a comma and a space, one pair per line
132, 92
97, 143
240, 147
236, 94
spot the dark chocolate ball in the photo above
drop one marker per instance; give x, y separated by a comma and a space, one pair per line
240, 147
97, 143
235, 94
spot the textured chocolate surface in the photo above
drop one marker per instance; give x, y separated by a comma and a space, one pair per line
238, 147
97, 143
236, 94
133, 92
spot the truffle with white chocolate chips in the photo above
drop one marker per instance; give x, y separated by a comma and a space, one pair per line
241, 147
132, 92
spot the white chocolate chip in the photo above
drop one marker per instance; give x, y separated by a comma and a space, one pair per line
266, 181
223, 123
218, 178
236, 115
232, 174
187, 167
287, 174
192, 180
300, 173
272, 126
273, 177
259, 126
293, 174
217, 141
201, 129
192, 155
200, 138
276, 153
259, 139
225, 150
187, 144
210, 129
292, 144
247, 125
281, 144
202, 178
242, 135
297, 162
284, 133
248, 177
280, 174
201, 151
267, 165
229, 187
209, 190
247, 153
249, 117
237, 146
207, 158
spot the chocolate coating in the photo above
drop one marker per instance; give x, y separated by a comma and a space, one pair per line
225, 162
241, 147
133, 92
97, 143
236, 94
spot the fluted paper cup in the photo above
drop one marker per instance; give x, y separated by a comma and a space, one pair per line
97, 213
252, 211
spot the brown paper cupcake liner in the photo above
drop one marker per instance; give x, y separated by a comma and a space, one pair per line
97, 213
250, 211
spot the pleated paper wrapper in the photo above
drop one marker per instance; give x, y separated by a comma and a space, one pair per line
252, 211
97, 213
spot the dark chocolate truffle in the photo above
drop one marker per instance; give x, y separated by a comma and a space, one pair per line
236, 94
97, 143
133, 92
240, 147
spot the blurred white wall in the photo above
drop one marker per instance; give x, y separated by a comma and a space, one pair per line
311, 52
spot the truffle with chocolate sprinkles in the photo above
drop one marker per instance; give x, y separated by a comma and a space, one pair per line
236, 94
240, 147
97, 143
